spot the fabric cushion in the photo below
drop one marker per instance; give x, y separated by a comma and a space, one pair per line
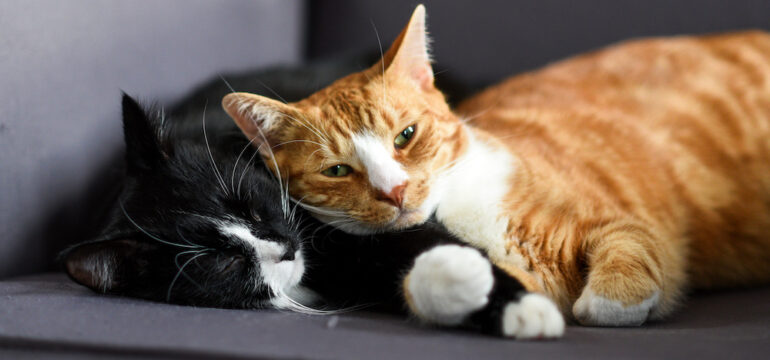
50, 315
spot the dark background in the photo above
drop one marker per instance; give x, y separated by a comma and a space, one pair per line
482, 41
64, 62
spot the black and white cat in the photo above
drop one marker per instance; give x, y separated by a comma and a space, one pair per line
199, 221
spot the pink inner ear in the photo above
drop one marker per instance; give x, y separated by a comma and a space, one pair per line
408, 56
424, 76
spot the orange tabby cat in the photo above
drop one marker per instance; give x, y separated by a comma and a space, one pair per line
611, 181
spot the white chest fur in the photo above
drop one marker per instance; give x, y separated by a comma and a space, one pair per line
471, 198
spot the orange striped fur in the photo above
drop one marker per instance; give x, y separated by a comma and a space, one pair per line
636, 171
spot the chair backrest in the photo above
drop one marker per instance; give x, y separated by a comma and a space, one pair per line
483, 41
62, 66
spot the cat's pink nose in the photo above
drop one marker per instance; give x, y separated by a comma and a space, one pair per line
395, 197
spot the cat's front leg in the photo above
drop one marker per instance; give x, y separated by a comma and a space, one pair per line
453, 285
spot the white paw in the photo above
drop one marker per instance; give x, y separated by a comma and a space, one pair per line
534, 316
595, 310
448, 283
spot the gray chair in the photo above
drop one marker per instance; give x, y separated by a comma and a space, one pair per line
64, 62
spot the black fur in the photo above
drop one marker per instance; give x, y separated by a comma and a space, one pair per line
163, 219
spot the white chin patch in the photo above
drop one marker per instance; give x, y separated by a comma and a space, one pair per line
299, 299
533, 316
448, 283
282, 276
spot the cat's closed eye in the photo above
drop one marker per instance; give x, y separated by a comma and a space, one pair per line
255, 216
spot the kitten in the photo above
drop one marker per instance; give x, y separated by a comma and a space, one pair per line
198, 222
612, 181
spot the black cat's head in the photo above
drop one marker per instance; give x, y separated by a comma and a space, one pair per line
197, 223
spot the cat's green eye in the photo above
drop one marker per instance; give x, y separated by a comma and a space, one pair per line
404, 136
338, 170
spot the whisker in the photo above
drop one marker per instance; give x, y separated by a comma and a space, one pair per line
340, 218
294, 211
298, 307
211, 156
452, 164
465, 120
308, 126
323, 211
321, 130
311, 156
176, 262
275, 163
150, 235
235, 167
303, 225
227, 83
382, 62
272, 91
246, 167
285, 199
179, 232
336, 225
313, 236
298, 140
171, 286
440, 72
448, 166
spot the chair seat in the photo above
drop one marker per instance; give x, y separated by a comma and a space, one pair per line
49, 314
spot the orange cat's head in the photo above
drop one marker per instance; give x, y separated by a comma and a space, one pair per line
365, 153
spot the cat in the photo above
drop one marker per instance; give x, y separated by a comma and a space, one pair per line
613, 182
199, 221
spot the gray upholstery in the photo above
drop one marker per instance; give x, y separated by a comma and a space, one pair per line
49, 313
63, 64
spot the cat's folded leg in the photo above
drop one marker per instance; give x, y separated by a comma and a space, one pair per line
634, 275
453, 285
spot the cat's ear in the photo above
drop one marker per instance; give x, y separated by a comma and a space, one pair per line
409, 57
142, 146
258, 117
108, 266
